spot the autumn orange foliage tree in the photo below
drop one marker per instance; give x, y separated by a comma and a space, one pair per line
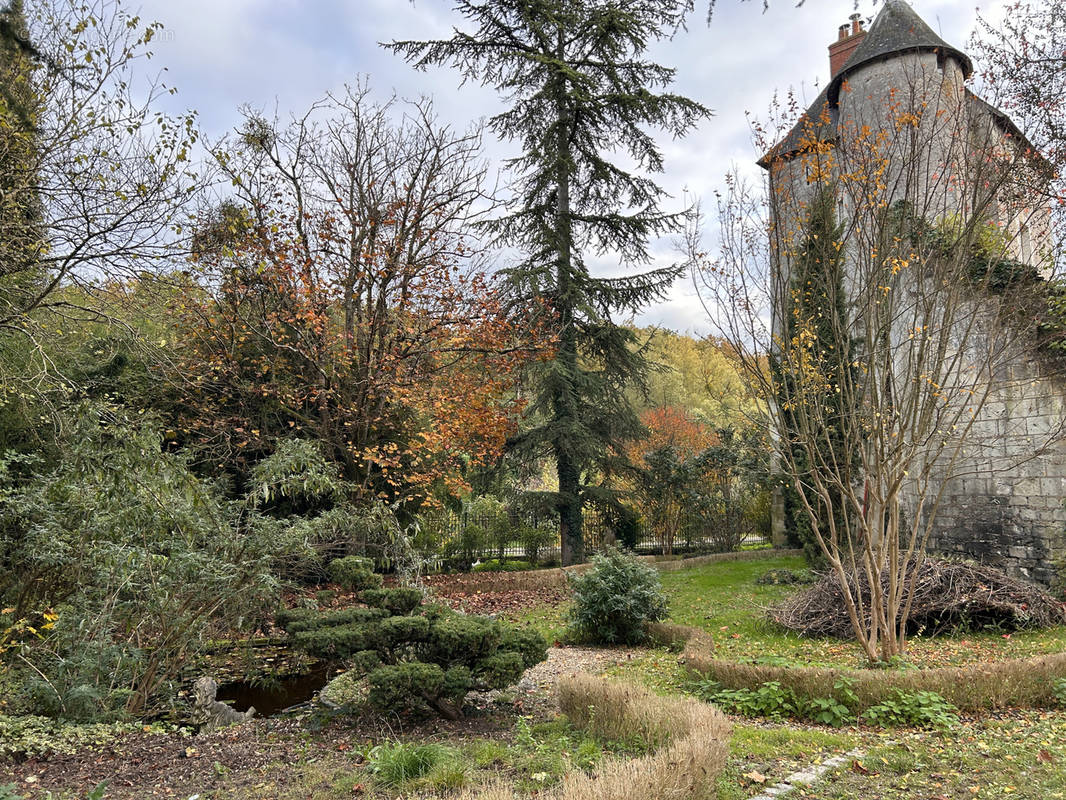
670, 426
340, 296
668, 469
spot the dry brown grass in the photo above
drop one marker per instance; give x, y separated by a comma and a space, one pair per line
690, 740
693, 644
1020, 683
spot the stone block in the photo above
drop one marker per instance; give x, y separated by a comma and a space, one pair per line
1053, 487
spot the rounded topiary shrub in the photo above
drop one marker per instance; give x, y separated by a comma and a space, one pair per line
615, 600
414, 657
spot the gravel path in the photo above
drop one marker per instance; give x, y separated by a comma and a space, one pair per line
537, 686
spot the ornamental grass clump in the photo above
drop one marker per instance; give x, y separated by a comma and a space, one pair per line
616, 600
414, 657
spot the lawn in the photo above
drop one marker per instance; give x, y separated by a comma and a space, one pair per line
724, 599
1013, 754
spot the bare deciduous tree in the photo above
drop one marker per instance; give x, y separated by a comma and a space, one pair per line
346, 295
884, 293
95, 179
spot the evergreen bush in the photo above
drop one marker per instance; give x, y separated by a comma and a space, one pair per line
414, 657
138, 559
616, 599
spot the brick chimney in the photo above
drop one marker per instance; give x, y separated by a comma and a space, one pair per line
848, 39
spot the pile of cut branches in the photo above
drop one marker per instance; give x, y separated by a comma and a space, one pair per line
949, 596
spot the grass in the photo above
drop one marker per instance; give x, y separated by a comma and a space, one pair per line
761, 755
414, 765
1018, 755
724, 599
1013, 754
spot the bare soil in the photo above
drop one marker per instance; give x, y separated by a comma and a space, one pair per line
283, 757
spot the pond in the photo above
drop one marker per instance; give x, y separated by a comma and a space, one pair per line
271, 696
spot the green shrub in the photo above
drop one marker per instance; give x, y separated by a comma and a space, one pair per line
616, 599
8, 791
130, 547
414, 657
1058, 691
354, 573
462, 549
535, 539
297, 499
918, 709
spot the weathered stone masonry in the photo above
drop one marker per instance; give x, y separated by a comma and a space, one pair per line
1007, 509
1004, 505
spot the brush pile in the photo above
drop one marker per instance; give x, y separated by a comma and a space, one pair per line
949, 596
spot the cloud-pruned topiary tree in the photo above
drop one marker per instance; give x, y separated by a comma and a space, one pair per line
415, 657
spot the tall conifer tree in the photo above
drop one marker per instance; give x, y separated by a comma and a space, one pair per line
579, 93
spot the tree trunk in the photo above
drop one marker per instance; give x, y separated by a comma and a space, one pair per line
571, 536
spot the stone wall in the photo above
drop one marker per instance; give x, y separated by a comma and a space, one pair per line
1005, 504
1001, 500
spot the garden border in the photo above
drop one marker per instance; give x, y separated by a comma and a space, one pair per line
1019, 683
691, 740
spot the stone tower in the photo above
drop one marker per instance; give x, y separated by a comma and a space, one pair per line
897, 128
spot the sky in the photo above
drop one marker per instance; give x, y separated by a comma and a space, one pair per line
282, 55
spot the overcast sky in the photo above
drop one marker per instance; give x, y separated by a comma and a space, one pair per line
285, 54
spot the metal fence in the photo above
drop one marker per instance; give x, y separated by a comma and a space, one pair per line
451, 540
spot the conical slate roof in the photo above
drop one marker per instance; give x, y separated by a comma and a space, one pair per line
897, 29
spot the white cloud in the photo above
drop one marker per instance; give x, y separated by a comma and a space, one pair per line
222, 53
